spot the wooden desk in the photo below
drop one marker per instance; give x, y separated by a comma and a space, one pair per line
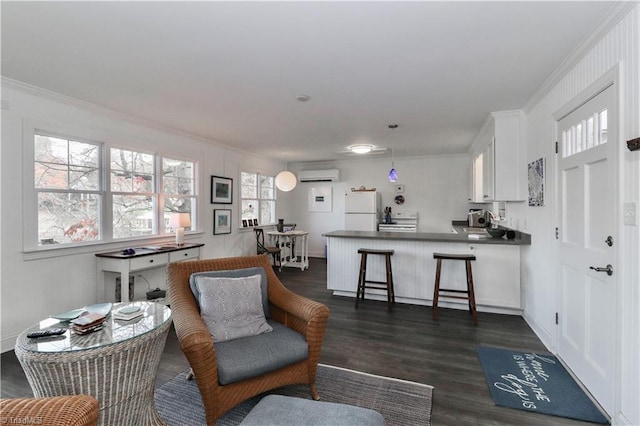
142, 259
294, 248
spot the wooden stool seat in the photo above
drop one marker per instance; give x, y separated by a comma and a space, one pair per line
467, 294
363, 283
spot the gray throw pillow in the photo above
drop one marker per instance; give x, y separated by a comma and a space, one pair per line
235, 273
232, 307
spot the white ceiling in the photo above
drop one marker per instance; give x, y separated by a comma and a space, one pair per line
231, 71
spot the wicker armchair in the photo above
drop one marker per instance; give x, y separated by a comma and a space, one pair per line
72, 410
296, 312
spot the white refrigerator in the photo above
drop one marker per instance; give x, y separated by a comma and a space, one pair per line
361, 210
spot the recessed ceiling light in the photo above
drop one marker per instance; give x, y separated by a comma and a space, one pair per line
361, 149
303, 98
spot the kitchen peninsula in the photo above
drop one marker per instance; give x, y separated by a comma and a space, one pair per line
496, 271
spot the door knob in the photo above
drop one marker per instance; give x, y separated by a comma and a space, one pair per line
608, 269
609, 241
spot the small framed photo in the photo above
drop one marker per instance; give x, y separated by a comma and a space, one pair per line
255, 222
221, 221
221, 190
245, 223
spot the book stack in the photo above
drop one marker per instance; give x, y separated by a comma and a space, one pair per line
128, 313
88, 323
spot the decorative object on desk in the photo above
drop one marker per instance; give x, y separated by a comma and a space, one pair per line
179, 221
280, 225
393, 175
156, 294
536, 183
387, 215
221, 221
399, 199
255, 221
286, 181
320, 199
245, 223
221, 190
99, 308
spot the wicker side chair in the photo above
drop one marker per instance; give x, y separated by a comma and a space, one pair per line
72, 410
305, 316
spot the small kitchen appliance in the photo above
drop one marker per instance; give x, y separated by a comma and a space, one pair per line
477, 219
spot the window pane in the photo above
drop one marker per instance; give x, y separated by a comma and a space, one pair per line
267, 193
178, 205
178, 176
52, 150
579, 142
83, 154
51, 176
249, 185
590, 133
132, 215
131, 171
602, 122
267, 212
249, 209
83, 178
68, 217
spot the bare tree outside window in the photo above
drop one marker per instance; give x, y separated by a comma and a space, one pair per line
67, 181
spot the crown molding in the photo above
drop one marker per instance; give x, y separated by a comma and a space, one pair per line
36, 91
610, 20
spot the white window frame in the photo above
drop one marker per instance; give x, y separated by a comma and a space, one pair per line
30, 203
259, 198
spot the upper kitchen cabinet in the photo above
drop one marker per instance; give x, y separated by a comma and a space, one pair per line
498, 147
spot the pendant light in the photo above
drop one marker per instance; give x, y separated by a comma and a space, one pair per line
393, 175
286, 181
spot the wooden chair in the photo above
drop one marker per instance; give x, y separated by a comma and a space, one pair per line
304, 316
70, 410
262, 248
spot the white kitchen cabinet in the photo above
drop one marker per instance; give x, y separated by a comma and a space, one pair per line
488, 177
499, 145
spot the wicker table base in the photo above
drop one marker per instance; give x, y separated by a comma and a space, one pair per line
121, 375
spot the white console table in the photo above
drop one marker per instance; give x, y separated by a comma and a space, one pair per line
143, 258
294, 248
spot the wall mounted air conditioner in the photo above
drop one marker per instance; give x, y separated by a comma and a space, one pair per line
330, 175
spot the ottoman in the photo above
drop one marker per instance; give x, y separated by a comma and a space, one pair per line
285, 410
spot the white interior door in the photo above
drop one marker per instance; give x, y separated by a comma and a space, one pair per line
588, 198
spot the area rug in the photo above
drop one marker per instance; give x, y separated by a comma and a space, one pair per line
400, 402
535, 382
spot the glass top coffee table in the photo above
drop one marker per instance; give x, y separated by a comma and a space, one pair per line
117, 364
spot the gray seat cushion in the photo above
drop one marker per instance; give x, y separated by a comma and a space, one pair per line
285, 410
253, 356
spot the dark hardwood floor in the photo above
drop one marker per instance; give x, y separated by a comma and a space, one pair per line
405, 344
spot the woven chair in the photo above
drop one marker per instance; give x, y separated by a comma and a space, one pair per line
305, 316
72, 410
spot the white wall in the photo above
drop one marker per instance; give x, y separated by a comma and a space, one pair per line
620, 47
34, 287
437, 187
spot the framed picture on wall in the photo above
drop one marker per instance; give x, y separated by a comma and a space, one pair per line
221, 190
221, 221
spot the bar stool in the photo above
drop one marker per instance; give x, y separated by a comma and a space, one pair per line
379, 285
469, 293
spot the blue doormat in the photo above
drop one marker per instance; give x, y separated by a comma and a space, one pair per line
535, 382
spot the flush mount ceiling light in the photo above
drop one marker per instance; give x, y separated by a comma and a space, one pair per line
361, 149
303, 98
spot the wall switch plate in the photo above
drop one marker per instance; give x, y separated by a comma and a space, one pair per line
400, 189
630, 213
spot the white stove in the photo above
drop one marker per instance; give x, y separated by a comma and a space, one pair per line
406, 221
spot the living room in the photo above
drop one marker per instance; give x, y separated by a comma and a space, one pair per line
38, 281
